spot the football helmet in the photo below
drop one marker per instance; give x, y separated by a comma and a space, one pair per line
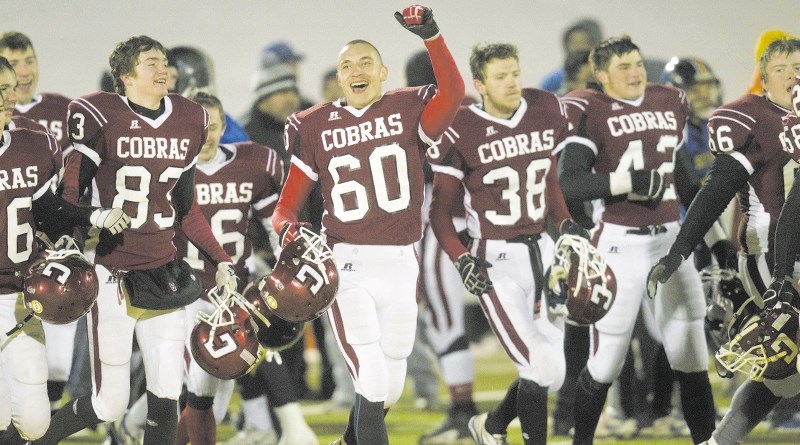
688, 72
580, 285
274, 333
60, 285
763, 344
303, 283
225, 342
720, 288
195, 70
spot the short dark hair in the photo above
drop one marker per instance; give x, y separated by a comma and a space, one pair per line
208, 100
483, 53
776, 48
15, 41
601, 55
125, 56
364, 42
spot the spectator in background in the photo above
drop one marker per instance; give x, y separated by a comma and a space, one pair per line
580, 36
577, 72
281, 53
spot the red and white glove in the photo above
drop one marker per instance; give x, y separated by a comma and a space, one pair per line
419, 20
290, 232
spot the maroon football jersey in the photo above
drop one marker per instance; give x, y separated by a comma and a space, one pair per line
50, 110
248, 179
139, 161
368, 163
750, 130
632, 135
24, 122
503, 164
791, 125
30, 162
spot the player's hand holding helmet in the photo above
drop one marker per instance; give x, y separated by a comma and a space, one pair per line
470, 267
419, 20
721, 304
291, 231
580, 284
274, 333
570, 227
114, 220
225, 342
762, 344
61, 285
226, 277
304, 281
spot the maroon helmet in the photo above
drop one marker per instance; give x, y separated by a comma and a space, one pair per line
581, 275
225, 343
303, 283
274, 333
60, 286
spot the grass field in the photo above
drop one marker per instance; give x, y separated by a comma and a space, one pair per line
406, 423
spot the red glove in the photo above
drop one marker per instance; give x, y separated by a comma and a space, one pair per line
419, 20
290, 232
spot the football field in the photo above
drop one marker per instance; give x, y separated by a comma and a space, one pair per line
494, 373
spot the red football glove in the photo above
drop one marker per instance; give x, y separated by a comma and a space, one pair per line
290, 232
419, 20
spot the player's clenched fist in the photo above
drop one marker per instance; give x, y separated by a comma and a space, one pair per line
419, 20
114, 220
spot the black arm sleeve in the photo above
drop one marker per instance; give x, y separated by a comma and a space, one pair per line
183, 194
578, 183
56, 217
725, 178
687, 182
787, 237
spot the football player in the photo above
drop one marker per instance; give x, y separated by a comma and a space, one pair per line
30, 165
49, 110
231, 181
366, 152
753, 155
138, 149
626, 151
500, 152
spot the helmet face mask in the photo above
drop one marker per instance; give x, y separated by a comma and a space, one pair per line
304, 281
61, 286
763, 345
583, 280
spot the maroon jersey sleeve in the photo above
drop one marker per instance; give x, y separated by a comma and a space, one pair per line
29, 165
139, 161
368, 163
791, 135
504, 164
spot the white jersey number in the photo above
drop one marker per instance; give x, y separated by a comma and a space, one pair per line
15, 230
381, 156
136, 174
633, 159
535, 198
218, 222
